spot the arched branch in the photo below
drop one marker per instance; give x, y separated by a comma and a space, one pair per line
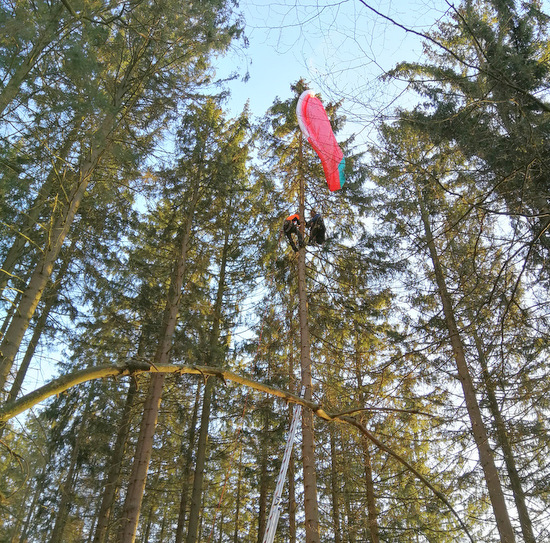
65, 382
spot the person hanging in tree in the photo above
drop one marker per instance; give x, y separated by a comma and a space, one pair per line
290, 226
317, 229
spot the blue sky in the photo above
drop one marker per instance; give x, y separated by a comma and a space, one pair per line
341, 47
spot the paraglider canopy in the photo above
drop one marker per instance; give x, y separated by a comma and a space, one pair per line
316, 128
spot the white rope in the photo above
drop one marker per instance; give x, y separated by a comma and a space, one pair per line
275, 510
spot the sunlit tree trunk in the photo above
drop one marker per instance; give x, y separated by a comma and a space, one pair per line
507, 451
372, 513
67, 488
334, 487
238, 498
292, 462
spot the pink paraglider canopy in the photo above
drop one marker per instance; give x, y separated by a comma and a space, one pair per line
315, 125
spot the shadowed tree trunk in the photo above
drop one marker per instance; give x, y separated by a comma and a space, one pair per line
111, 483
144, 446
187, 468
479, 432
214, 355
308, 439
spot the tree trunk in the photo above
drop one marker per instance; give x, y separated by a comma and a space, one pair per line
144, 446
334, 490
372, 513
111, 482
262, 512
214, 354
67, 488
144, 449
238, 498
371, 500
51, 300
51, 31
308, 440
506, 446
41, 275
187, 468
32, 214
349, 524
479, 432
291, 461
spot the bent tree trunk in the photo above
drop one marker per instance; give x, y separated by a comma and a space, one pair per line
479, 431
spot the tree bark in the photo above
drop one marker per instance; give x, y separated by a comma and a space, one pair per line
334, 490
308, 440
479, 432
144, 446
187, 468
213, 353
506, 446
113, 474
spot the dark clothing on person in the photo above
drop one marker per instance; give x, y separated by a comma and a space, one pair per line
317, 229
290, 226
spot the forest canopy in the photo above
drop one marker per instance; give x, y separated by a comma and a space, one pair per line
145, 277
